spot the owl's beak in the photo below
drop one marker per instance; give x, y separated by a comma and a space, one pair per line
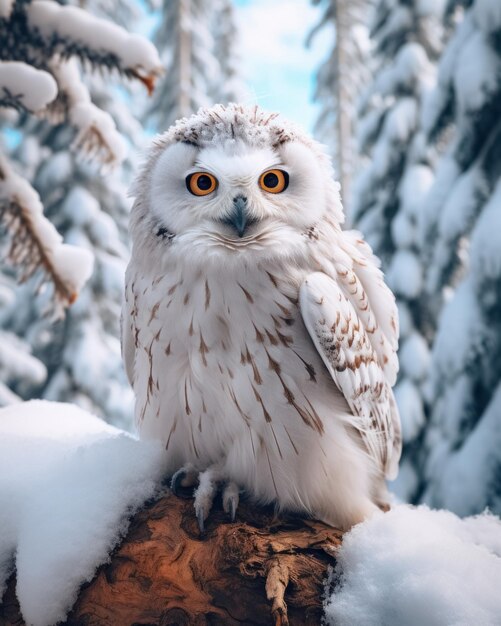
239, 217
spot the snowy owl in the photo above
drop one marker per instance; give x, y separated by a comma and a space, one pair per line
259, 338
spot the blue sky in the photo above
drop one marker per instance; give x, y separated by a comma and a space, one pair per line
277, 67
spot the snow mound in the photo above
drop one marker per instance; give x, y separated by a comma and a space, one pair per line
416, 566
68, 483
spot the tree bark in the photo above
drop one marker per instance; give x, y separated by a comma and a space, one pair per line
259, 570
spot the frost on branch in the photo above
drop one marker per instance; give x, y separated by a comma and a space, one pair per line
34, 242
41, 43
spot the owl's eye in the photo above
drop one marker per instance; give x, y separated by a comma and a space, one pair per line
274, 181
201, 183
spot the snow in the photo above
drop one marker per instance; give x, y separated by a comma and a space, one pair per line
460, 318
7, 396
415, 357
97, 133
34, 88
446, 175
405, 274
487, 14
462, 205
95, 128
416, 566
16, 360
77, 25
476, 75
430, 7
464, 478
411, 409
54, 170
403, 230
405, 319
406, 484
485, 249
413, 187
6, 8
401, 122
68, 483
411, 67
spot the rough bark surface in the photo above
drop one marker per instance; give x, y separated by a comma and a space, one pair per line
258, 570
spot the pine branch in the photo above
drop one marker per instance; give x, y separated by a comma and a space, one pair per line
70, 32
97, 136
40, 43
34, 244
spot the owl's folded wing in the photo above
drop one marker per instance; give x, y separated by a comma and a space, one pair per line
346, 349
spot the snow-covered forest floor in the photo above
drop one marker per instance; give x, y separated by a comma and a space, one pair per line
407, 96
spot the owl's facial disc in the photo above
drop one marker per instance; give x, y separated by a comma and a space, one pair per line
236, 197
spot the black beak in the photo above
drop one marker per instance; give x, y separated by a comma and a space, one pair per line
239, 217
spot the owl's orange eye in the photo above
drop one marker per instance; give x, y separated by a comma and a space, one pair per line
274, 181
201, 183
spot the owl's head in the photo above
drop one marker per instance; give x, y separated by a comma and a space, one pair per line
233, 182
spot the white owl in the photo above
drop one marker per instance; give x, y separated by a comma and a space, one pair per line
258, 336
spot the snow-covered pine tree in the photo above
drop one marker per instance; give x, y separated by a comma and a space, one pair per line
460, 229
340, 80
186, 47
80, 353
407, 37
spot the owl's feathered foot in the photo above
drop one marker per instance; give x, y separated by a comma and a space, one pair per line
209, 482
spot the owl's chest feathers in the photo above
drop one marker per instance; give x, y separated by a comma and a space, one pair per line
212, 339
211, 319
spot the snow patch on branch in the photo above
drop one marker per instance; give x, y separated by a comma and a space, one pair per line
24, 87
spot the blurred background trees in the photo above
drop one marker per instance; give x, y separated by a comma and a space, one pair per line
408, 97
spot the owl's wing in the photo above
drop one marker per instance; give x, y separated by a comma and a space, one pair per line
357, 272
128, 346
345, 346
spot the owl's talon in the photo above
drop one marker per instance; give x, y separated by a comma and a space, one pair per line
176, 481
201, 519
204, 495
230, 499
184, 477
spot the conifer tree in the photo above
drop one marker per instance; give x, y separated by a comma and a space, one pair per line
388, 193
230, 87
196, 39
460, 230
80, 353
186, 46
340, 80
